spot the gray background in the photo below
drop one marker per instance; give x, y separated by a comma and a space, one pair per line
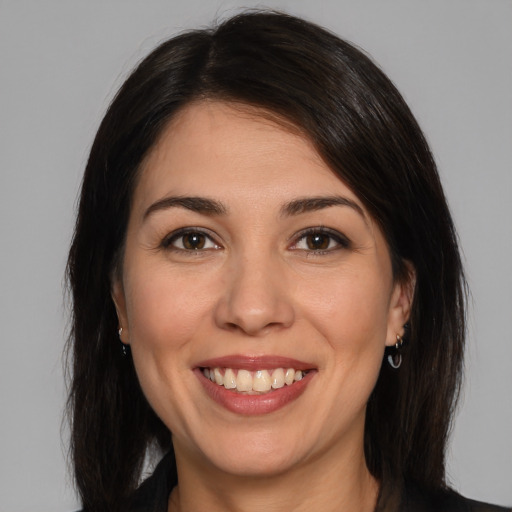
61, 62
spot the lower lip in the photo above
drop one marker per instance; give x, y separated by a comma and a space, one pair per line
251, 405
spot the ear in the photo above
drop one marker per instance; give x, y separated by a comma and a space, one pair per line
117, 293
400, 305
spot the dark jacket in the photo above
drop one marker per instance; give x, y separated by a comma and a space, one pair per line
153, 495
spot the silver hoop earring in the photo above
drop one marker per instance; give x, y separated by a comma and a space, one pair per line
395, 359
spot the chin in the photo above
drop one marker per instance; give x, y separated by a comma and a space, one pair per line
254, 454
256, 465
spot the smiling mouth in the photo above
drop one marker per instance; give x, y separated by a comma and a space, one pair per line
258, 382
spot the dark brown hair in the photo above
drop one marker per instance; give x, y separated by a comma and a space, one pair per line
365, 132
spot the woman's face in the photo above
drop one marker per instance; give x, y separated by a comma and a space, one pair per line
248, 259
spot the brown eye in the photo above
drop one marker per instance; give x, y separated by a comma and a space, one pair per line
318, 242
321, 240
194, 241
185, 240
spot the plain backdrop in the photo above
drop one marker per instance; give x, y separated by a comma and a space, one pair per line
60, 64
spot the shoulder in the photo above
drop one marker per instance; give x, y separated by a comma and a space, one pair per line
446, 500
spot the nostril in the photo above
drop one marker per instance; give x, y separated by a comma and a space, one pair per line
253, 329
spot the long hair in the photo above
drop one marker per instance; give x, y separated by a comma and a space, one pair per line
364, 131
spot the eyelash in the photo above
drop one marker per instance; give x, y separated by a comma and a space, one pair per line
167, 242
340, 240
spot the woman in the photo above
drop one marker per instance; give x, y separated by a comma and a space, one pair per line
263, 228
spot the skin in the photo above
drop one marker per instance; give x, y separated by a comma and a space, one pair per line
257, 286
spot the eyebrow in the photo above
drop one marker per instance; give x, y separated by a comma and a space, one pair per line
212, 207
196, 204
311, 204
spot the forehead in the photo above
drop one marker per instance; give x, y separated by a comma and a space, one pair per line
233, 152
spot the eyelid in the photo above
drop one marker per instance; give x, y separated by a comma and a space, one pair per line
167, 242
342, 241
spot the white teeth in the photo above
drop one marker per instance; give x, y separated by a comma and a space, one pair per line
260, 381
244, 381
278, 378
289, 376
229, 379
219, 379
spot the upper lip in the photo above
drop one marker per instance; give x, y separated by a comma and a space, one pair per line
253, 363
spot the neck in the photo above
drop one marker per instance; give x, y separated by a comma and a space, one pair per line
331, 483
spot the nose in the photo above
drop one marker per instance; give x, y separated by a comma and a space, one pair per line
256, 298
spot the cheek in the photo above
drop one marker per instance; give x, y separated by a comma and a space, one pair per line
164, 311
349, 308
164, 315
